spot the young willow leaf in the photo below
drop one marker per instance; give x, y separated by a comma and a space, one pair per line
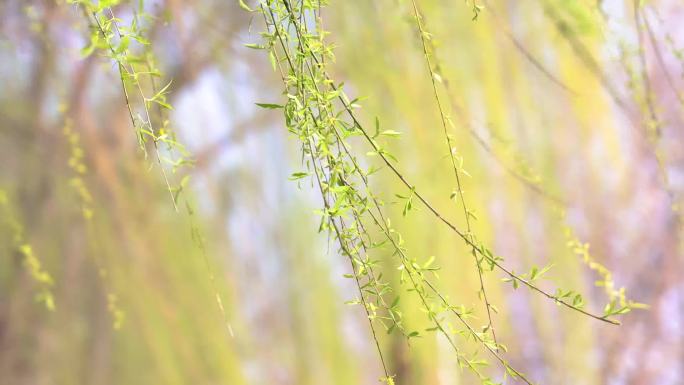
269, 106
244, 6
391, 133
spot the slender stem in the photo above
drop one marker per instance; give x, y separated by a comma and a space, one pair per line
450, 149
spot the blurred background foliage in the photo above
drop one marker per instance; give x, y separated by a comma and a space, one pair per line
548, 95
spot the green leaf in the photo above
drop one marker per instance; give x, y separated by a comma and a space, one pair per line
407, 207
123, 44
391, 133
244, 6
577, 301
533, 273
298, 175
254, 46
272, 59
269, 106
429, 262
162, 103
453, 195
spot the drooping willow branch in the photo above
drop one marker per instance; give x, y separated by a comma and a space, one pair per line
333, 164
129, 73
661, 61
616, 297
586, 57
23, 249
446, 122
345, 238
527, 54
107, 36
310, 114
481, 249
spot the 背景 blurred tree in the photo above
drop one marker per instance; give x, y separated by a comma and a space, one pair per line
566, 116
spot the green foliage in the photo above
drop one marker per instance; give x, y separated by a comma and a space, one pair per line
128, 47
34, 266
349, 162
314, 113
